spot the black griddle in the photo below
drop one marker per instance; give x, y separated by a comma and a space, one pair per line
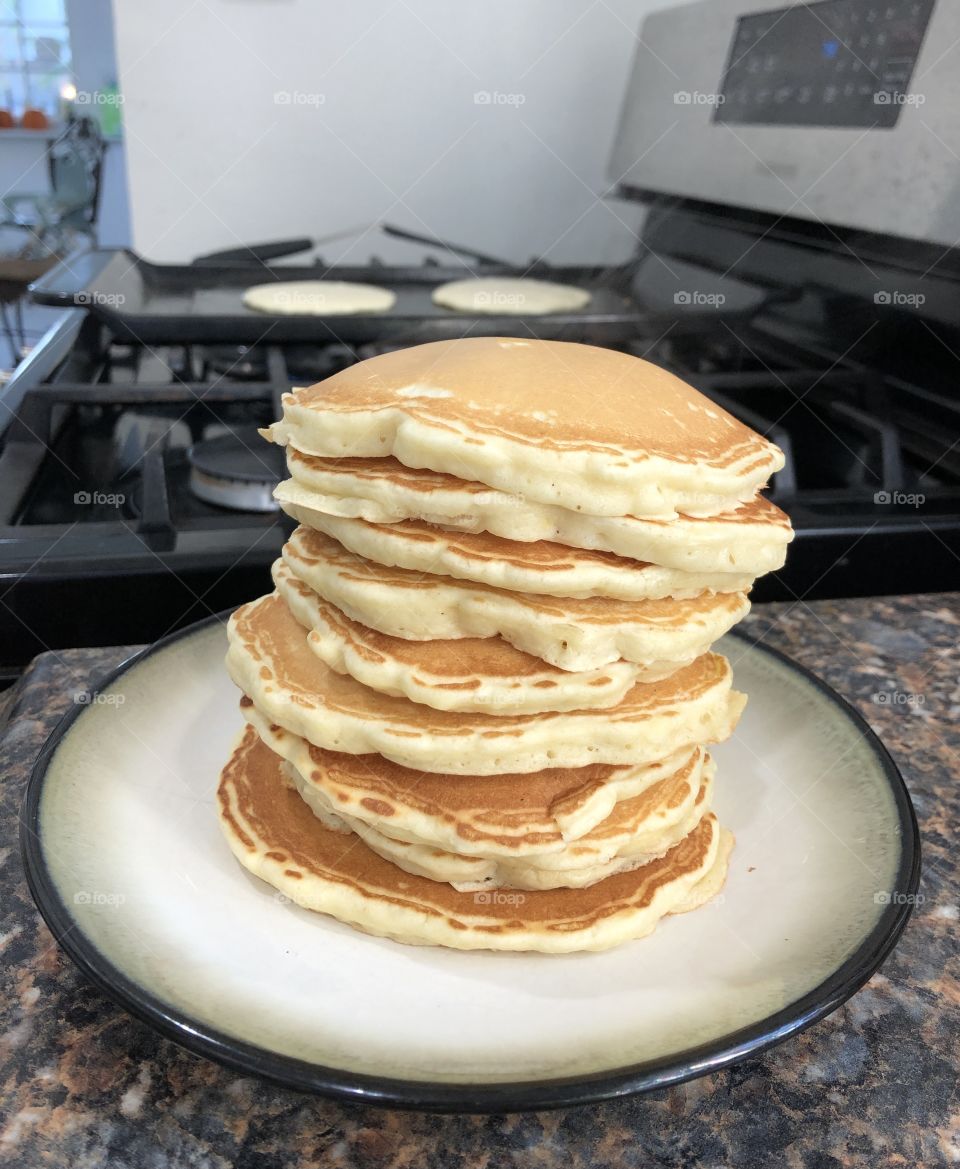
156, 304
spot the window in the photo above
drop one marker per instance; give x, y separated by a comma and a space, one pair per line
34, 56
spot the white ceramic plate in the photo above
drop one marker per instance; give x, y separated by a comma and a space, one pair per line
127, 864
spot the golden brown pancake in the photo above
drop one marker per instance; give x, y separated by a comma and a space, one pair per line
271, 662
386, 493
275, 836
572, 634
483, 815
747, 542
588, 429
472, 674
640, 835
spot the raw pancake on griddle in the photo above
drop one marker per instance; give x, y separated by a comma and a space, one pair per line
475, 815
510, 296
275, 836
748, 542
584, 634
543, 566
318, 298
270, 661
588, 429
473, 674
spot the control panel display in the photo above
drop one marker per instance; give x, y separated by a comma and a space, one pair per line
844, 63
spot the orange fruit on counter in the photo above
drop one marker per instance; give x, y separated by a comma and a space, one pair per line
34, 120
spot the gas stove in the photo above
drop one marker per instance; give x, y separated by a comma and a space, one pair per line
137, 491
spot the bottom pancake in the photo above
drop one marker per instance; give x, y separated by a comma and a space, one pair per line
274, 835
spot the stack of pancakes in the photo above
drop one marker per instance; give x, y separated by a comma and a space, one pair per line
480, 698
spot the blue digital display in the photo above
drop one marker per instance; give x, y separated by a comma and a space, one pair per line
843, 63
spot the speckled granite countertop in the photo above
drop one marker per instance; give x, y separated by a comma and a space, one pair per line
83, 1084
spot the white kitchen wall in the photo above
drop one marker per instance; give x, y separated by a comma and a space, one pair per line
486, 123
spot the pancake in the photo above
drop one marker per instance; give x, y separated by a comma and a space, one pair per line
587, 429
387, 493
318, 298
572, 634
582, 864
276, 837
510, 296
271, 662
473, 674
495, 816
637, 831
748, 542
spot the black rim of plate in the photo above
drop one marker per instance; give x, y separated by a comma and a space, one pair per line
435, 1096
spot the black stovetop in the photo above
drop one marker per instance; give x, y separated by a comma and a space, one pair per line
103, 540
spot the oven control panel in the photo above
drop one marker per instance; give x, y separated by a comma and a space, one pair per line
843, 63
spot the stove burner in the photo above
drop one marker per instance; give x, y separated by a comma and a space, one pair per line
237, 470
241, 363
305, 364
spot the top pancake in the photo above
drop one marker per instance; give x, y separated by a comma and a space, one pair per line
589, 429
